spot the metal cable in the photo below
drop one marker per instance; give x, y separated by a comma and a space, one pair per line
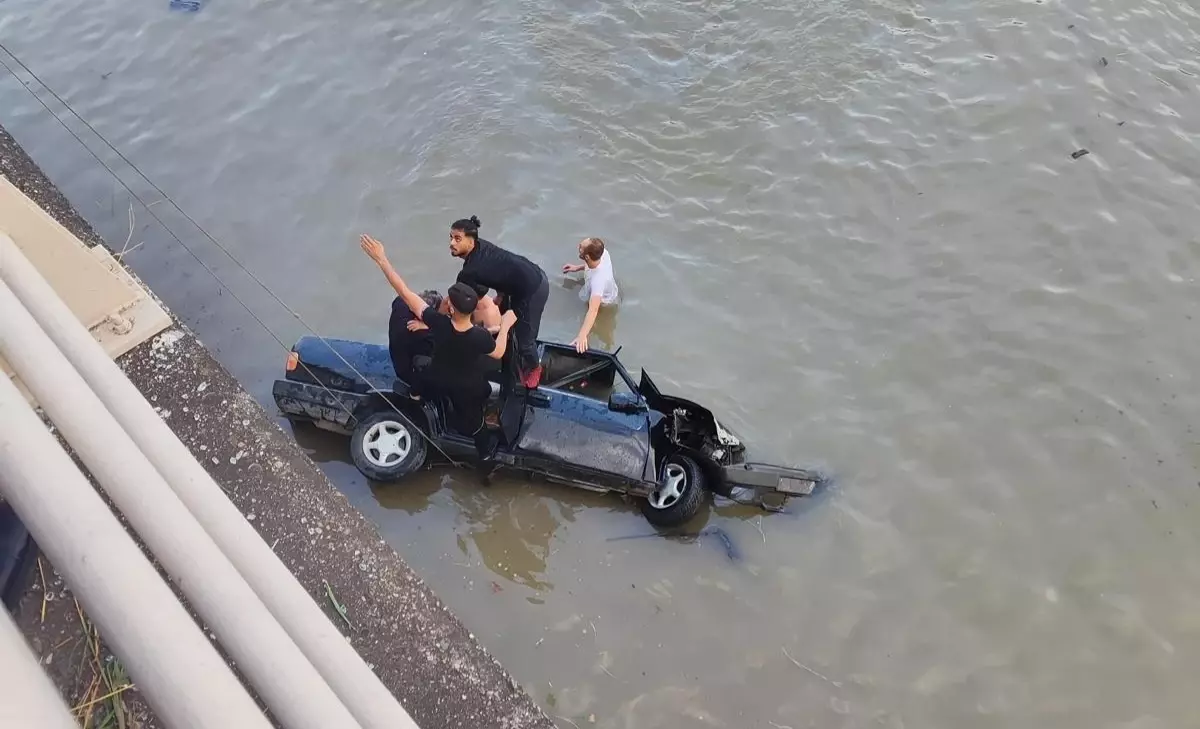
211, 238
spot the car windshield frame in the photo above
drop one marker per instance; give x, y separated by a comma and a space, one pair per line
601, 360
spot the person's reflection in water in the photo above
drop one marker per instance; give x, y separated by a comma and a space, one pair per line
512, 527
413, 495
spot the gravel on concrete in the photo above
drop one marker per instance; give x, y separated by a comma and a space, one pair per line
424, 655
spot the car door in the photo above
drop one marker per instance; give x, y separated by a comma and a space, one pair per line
583, 435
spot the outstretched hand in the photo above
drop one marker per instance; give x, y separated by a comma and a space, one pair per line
580, 343
373, 249
416, 326
572, 268
508, 318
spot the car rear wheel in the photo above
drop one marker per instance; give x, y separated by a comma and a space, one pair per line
680, 492
386, 446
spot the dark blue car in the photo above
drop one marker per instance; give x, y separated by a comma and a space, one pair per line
588, 424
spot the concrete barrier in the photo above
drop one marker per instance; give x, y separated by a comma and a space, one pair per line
292, 688
27, 698
333, 656
180, 672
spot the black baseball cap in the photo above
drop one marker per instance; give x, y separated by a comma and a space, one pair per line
463, 298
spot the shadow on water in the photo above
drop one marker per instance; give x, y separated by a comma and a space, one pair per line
319, 445
509, 527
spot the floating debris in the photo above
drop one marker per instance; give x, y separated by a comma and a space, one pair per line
1079, 153
826, 679
720, 535
339, 607
187, 6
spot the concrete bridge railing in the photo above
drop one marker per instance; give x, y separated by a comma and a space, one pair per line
296, 660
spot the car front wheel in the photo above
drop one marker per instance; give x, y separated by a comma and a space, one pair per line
386, 447
679, 494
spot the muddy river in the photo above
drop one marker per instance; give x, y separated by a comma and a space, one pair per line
855, 228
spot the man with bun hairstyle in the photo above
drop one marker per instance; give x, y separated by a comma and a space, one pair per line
522, 285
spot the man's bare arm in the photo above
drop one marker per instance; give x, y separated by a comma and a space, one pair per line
506, 323
589, 320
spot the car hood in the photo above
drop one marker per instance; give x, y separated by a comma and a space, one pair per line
655, 397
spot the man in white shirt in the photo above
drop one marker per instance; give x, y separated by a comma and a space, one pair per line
599, 285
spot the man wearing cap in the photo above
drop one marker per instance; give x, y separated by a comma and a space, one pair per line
460, 351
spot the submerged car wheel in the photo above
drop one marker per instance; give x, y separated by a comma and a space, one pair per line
679, 494
386, 447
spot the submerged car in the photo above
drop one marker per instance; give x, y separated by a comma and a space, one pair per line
586, 425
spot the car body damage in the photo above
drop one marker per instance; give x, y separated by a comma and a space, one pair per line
588, 425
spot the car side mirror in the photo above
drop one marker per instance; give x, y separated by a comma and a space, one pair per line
627, 402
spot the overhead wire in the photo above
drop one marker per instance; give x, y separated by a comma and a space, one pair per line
167, 198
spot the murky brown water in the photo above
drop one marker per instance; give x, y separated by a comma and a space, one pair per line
854, 227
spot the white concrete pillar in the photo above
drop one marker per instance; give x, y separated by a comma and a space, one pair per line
357, 685
292, 688
185, 680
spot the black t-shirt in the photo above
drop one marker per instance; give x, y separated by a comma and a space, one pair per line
507, 272
403, 345
459, 358
399, 334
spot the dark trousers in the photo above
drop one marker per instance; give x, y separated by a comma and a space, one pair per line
404, 345
529, 321
467, 402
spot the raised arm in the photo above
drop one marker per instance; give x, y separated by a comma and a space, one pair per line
374, 250
506, 323
589, 319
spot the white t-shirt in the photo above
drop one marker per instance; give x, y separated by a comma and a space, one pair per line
600, 281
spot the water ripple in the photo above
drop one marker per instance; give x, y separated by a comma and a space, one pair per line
854, 227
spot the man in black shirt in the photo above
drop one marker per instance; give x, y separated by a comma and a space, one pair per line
460, 351
410, 343
521, 283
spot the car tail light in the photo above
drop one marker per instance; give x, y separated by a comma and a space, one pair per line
292, 360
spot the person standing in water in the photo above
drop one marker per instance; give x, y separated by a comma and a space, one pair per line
522, 285
599, 285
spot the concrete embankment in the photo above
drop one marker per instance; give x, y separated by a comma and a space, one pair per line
423, 654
